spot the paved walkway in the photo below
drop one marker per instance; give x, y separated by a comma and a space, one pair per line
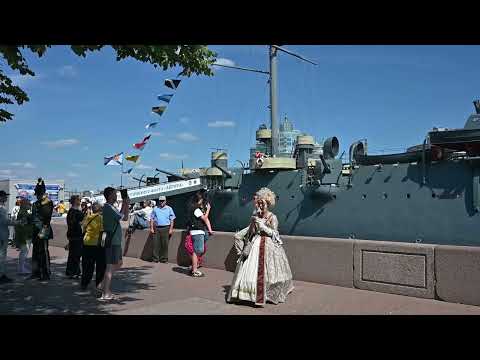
160, 289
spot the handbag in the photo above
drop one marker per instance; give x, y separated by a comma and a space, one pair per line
239, 241
242, 242
189, 247
44, 233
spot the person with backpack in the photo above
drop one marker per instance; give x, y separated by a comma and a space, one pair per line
93, 254
199, 224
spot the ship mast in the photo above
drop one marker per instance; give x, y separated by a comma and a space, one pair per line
273, 100
273, 77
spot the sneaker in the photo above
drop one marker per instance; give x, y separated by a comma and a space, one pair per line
107, 297
197, 274
4, 279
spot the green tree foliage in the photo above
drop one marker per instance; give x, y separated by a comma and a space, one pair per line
193, 59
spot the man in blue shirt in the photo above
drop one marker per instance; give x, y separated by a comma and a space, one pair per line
161, 226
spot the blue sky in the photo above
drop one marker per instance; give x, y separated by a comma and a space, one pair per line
82, 109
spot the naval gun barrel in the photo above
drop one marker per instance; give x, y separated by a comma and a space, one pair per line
225, 172
172, 174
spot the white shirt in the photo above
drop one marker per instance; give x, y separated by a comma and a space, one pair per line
198, 213
15, 211
145, 212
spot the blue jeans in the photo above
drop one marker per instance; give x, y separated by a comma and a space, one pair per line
198, 244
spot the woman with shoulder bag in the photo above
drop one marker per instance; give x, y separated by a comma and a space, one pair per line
93, 255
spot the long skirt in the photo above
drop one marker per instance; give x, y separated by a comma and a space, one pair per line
74, 254
264, 276
40, 258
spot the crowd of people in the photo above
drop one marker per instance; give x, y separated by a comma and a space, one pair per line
95, 241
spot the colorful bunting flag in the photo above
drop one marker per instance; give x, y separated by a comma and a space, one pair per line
172, 84
142, 143
139, 146
128, 171
116, 159
132, 158
166, 97
151, 125
158, 110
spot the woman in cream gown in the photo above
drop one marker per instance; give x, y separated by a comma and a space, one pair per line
262, 273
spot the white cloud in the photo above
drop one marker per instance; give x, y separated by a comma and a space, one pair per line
144, 167
221, 124
79, 165
185, 136
72, 174
60, 143
67, 71
168, 156
184, 120
223, 61
26, 165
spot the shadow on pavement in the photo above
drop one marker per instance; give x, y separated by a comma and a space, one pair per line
181, 270
62, 296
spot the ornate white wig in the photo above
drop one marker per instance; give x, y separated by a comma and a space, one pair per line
267, 195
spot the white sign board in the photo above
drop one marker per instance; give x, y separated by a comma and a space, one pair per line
154, 191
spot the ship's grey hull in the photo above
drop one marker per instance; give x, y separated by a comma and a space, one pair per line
387, 203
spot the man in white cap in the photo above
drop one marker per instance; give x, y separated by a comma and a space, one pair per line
161, 226
4, 224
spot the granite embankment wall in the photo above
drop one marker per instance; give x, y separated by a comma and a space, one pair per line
448, 273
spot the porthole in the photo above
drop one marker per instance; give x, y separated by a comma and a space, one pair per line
434, 195
385, 195
408, 196
364, 196
334, 196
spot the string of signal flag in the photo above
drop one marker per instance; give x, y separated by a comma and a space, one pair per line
117, 159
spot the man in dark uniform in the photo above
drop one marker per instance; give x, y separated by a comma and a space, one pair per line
42, 211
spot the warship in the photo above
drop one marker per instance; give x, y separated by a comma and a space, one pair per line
428, 194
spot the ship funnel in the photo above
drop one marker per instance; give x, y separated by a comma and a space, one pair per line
330, 147
476, 103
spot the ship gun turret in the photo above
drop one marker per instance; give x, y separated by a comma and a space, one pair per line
175, 176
